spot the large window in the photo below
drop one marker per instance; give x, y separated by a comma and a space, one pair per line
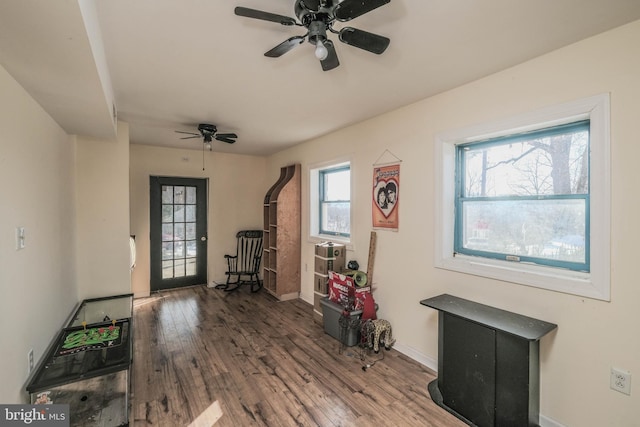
526, 199
335, 201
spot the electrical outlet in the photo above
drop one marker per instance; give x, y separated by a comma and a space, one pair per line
30, 359
621, 381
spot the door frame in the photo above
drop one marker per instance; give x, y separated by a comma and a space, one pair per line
156, 281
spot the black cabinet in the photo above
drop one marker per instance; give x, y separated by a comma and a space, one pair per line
488, 363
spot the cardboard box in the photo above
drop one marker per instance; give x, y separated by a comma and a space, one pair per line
334, 252
321, 283
330, 250
316, 301
323, 265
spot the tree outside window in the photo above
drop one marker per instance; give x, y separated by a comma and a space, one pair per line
525, 197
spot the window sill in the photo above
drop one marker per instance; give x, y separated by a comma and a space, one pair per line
554, 279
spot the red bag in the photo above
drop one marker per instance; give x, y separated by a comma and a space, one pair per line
369, 308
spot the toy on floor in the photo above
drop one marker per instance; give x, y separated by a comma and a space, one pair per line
375, 332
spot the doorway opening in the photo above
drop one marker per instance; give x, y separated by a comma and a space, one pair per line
178, 227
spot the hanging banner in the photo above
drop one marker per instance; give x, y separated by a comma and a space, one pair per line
385, 196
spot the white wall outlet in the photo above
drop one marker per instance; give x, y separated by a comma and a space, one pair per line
30, 361
621, 380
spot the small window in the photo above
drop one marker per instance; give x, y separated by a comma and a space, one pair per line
525, 197
335, 201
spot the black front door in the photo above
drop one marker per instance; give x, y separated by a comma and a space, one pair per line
178, 232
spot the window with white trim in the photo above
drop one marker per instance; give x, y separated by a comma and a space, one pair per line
526, 200
331, 201
525, 197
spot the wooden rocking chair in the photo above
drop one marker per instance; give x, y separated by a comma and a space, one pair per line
243, 268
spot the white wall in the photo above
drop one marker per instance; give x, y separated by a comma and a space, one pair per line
592, 336
237, 187
102, 188
37, 283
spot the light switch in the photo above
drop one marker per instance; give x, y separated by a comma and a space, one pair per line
20, 236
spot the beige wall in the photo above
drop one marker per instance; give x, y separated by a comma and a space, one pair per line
102, 189
592, 335
37, 283
236, 191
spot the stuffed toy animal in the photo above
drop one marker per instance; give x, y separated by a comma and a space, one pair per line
375, 332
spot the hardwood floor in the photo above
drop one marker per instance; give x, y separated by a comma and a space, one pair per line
199, 352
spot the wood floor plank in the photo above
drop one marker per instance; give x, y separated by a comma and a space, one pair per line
264, 363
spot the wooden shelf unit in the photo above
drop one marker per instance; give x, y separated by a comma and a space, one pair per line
281, 256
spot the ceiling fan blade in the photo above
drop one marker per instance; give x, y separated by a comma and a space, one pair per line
350, 9
265, 16
312, 4
188, 133
191, 137
226, 135
284, 47
373, 43
331, 61
227, 140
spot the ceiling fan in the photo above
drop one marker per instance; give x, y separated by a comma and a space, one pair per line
318, 17
208, 133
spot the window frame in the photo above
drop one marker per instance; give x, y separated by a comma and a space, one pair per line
592, 284
461, 197
322, 199
315, 234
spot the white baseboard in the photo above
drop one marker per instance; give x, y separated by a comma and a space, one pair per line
141, 295
549, 422
417, 356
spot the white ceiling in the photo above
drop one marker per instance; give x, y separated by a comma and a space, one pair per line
170, 64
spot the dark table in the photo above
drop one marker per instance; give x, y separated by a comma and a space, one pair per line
488, 363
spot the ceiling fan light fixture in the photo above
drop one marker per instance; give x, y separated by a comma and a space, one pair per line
208, 133
318, 17
317, 36
321, 51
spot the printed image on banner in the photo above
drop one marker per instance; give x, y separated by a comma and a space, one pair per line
385, 196
55, 415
